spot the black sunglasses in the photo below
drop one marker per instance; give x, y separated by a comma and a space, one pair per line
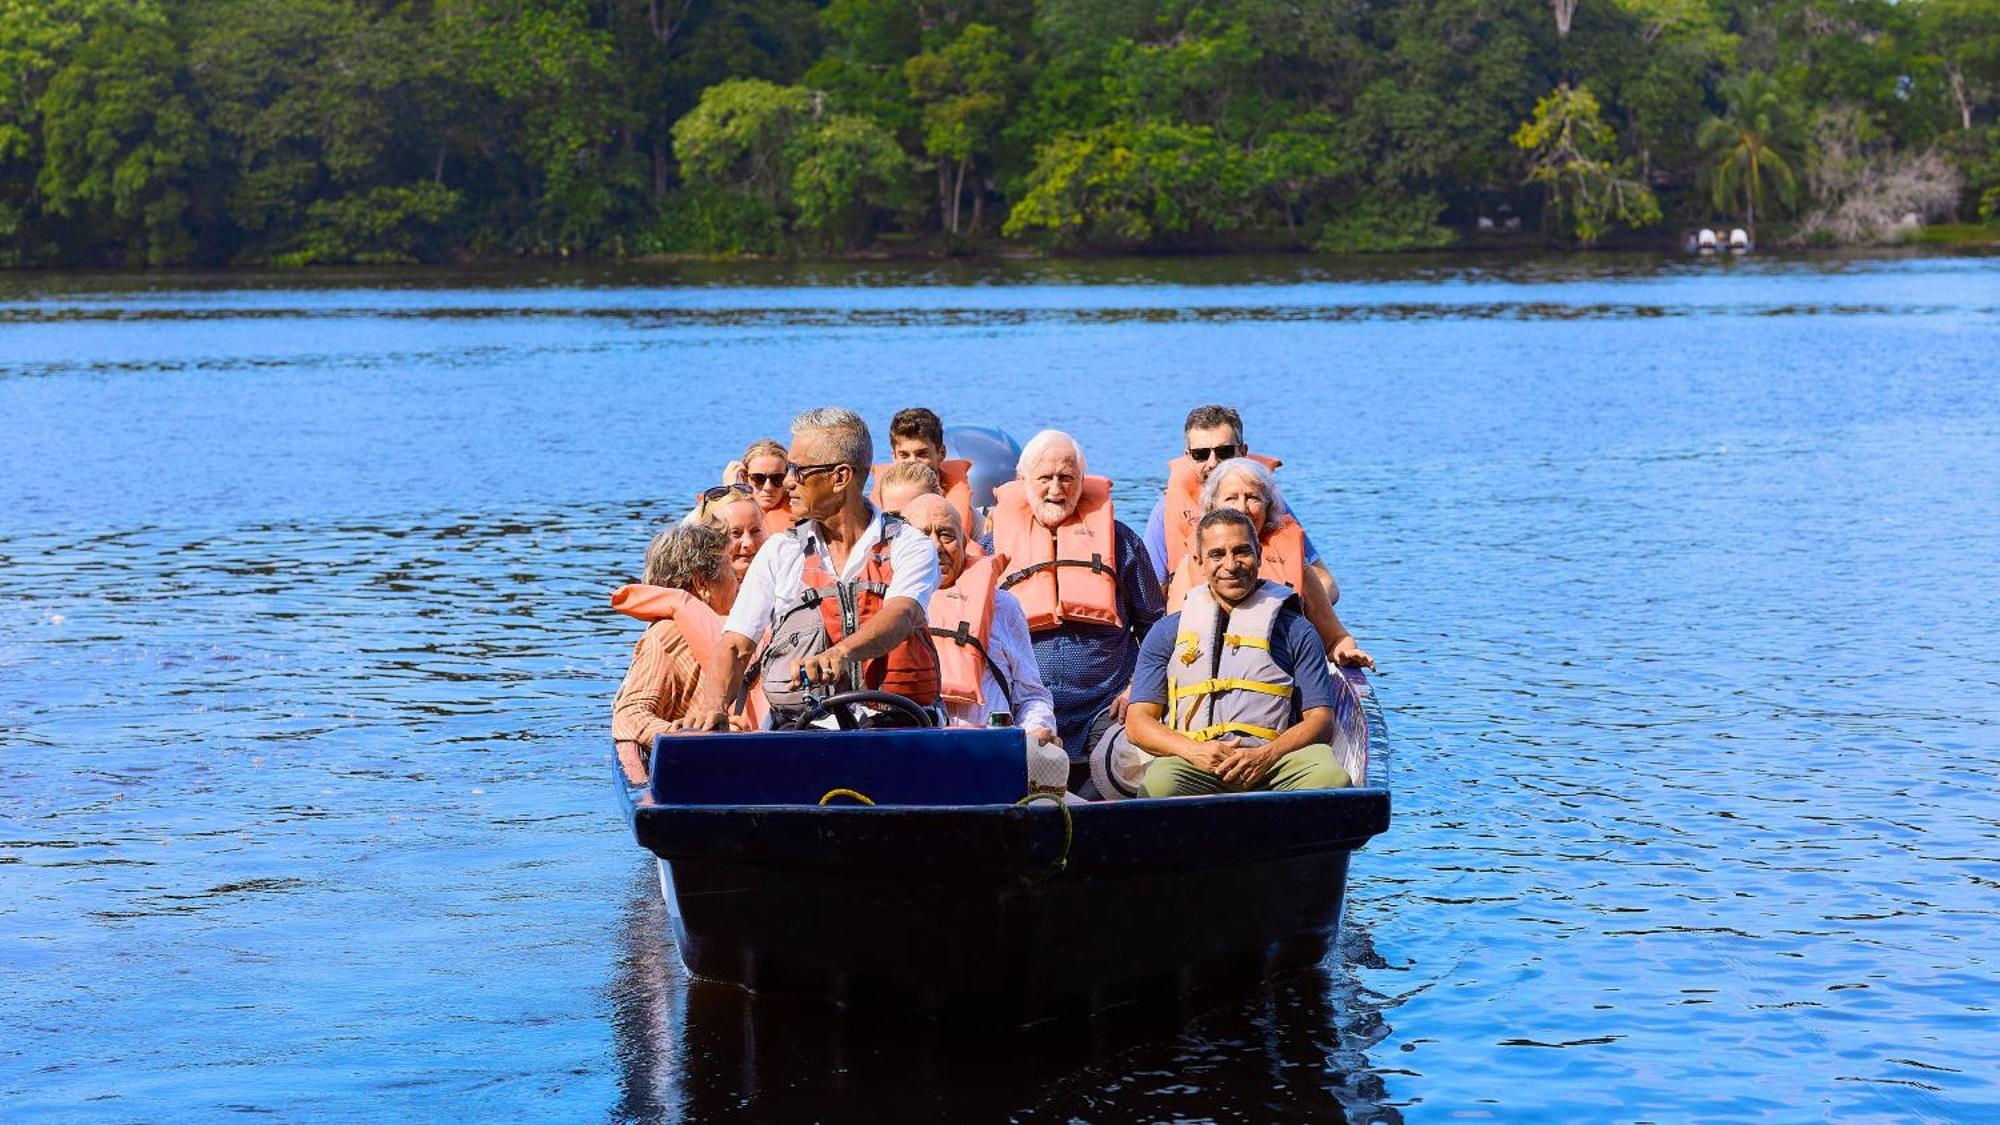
1221, 452
804, 471
766, 480
716, 492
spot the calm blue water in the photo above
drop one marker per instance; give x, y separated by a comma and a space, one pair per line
1682, 577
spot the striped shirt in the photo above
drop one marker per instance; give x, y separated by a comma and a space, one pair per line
659, 687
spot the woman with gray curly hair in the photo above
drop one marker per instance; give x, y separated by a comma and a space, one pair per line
689, 585
1248, 487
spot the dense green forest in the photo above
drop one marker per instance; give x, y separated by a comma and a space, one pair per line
162, 132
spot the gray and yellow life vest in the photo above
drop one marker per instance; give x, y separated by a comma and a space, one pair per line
1221, 679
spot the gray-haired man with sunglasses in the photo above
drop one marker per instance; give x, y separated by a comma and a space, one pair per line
1214, 434
880, 573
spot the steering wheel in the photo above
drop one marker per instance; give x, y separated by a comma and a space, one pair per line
837, 706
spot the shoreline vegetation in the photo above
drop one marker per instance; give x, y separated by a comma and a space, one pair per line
287, 133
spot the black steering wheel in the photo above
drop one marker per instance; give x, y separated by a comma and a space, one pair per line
837, 705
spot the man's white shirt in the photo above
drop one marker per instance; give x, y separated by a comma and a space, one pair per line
776, 578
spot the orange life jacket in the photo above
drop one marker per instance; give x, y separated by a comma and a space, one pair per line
1183, 500
961, 618
954, 477
1069, 573
700, 627
1284, 562
776, 519
911, 668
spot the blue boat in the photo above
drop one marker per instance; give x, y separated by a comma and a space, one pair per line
950, 895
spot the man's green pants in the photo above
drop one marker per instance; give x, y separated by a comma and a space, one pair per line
1308, 767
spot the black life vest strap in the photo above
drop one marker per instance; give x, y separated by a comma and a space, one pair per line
1095, 563
809, 599
963, 635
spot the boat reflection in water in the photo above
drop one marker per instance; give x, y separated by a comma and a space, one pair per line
1294, 1048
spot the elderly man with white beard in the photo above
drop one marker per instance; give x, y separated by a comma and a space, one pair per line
1083, 580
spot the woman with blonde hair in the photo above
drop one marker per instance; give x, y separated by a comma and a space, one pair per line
1248, 487
732, 509
765, 467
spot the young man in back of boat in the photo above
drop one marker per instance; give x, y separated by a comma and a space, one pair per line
1232, 693
1213, 434
917, 434
841, 594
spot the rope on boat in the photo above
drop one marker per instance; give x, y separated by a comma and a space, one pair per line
1069, 827
1068, 821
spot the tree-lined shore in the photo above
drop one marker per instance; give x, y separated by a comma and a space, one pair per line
291, 132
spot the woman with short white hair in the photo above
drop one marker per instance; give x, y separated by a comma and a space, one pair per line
1248, 487
688, 586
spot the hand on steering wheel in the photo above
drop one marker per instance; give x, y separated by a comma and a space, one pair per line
841, 706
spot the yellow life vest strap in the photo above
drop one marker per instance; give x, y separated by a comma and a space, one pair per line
1231, 638
1211, 687
1209, 734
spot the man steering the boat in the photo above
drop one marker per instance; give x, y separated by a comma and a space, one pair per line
1233, 692
841, 595
1213, 434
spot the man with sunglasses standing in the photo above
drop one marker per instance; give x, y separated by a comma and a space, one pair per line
841, 594
1214, 435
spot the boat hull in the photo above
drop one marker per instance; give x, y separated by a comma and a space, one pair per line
1008, 914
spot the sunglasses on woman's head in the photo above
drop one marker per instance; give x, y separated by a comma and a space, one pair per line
716, 492
1221, 452
766, 480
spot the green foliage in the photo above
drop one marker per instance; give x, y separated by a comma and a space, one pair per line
148, 132
841, 167
963, 89
739, 138
122, 143
1571, 153
1381, 226
708, 220
1752, 147
378, 226
1125, 183
780, 147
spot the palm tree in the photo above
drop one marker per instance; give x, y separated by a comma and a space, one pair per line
1751, 147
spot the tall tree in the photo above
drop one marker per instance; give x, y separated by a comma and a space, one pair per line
1752, 147
122, 142
1573, 155
1963, 36
963, 89
787, 149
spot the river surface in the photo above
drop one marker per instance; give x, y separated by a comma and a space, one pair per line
1682, 576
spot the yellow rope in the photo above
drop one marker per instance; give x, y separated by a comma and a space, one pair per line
1069, 822
1069, 826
